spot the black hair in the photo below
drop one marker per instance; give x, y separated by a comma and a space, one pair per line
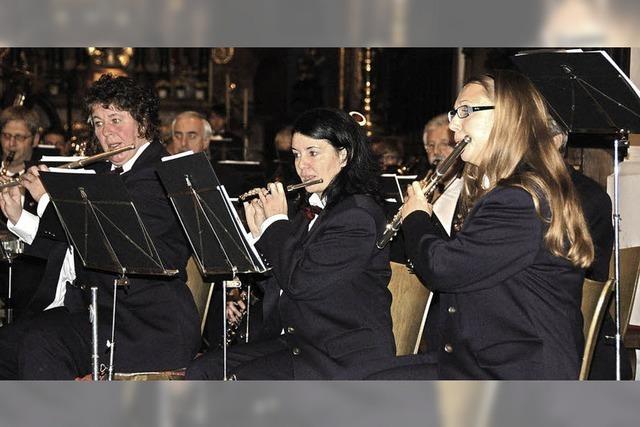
126, 94
360, 174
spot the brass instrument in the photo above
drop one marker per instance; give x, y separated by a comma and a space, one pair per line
77, 164
428, 185
7, 162
254, 193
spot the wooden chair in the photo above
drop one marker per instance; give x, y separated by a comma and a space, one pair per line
408, 308
629, 277
595, 300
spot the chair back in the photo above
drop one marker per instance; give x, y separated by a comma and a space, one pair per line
200, 290
629, 271
595, 299
408, 308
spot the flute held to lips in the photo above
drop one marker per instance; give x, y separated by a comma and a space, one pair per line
75, 165
254, 193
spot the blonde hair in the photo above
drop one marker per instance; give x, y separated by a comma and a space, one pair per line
520, 152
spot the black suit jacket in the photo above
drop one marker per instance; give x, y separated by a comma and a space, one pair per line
596, 205
157, 324
335, 305
508, 308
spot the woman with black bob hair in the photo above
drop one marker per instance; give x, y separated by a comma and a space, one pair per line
326, 306
360, 174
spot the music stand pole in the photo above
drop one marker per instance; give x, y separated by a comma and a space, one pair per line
620, 141
93, 315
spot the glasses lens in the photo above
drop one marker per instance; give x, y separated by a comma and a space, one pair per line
464, 111
451, 114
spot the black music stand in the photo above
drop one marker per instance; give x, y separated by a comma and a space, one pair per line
104, 227
590, 96
393, 186
216, 234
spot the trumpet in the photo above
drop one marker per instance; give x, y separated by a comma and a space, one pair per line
254, 193
75, 165
429, 185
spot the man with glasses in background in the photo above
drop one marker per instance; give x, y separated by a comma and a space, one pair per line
19, 136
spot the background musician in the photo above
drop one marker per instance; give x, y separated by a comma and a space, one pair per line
596, 205
510, 281
19, 136
190, 131
157, 324
326, 304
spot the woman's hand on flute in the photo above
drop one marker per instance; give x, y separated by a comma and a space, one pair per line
254, 213
31, 181
269, 203
415, 201
274, 200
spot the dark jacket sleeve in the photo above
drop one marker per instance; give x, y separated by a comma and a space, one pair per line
501, 237
310, 272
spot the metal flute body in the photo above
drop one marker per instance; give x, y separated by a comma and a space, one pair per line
77, 164
254, 193
428, 187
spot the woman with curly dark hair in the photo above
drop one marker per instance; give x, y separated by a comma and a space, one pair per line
157, 325
326, 305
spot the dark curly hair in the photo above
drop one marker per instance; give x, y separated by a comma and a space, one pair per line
360, 174
126, 94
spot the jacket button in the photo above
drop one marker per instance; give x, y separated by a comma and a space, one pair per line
448, 348
290, 330
451, 310
295, 351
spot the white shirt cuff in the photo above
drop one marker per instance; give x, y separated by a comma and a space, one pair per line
26, 228
43, 203
269, 221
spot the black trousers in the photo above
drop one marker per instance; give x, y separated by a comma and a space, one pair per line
262, 360
52, 345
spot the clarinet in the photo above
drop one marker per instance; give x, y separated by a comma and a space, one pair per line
429, 185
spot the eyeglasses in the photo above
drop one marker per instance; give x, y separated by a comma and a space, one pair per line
464, 111
18, 136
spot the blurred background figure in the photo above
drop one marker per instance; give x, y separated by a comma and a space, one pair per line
55, 136
190, 131
388, 152
226, 145
437, 139
283, 169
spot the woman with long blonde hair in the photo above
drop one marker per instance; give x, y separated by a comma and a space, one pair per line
508, 285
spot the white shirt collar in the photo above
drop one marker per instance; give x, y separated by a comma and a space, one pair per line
126, 167
315, 200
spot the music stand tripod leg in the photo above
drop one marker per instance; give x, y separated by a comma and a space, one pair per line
9, 306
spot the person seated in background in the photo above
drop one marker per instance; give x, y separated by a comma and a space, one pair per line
284, 170
20, 135
597, 206
19, 131
226, 145
55, 137
190, 131
388, 153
